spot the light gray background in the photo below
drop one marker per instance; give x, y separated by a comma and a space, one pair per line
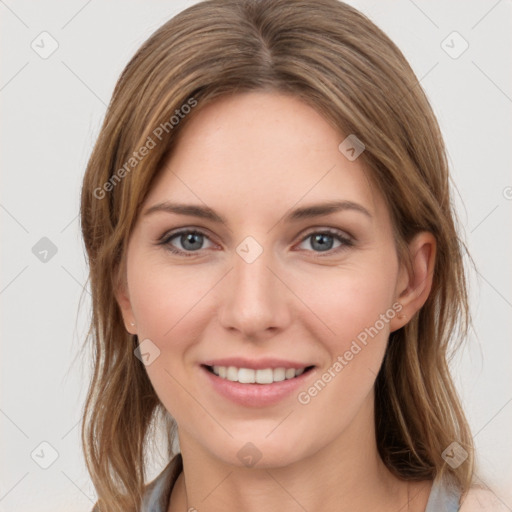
51, 112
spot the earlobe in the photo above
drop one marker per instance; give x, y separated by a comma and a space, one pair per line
414, 287
123, 300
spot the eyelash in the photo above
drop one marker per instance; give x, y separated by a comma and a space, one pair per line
346, 241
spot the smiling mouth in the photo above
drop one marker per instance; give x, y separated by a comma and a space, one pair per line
260, 376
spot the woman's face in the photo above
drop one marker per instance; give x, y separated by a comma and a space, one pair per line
276, 285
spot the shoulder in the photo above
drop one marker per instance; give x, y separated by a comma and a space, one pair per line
481, 500
157, 491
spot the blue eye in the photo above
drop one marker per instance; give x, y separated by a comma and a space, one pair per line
323, 241
191, 241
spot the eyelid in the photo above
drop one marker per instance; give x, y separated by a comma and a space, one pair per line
169, 235
332, 231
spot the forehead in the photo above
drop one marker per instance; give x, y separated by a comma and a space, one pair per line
260, 153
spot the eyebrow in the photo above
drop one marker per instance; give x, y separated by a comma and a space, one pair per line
307, 212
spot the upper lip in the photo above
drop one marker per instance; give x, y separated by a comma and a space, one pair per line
256, 364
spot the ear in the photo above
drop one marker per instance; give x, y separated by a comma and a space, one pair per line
123, 299
413, 288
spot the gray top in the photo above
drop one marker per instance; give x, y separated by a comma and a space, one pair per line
444, 496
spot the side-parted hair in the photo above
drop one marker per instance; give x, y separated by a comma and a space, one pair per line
334, 58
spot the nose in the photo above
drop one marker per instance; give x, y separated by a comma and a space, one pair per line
255, 299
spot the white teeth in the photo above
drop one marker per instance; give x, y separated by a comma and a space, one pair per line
246, 376
232, 373
250, 376
264, 376
289, 373
279, 374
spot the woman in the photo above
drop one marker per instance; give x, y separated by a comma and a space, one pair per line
276, 272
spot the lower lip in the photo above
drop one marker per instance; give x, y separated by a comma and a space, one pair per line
256, 395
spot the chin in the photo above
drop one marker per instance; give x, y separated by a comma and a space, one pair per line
257, 450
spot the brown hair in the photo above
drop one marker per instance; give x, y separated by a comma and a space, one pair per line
331, 56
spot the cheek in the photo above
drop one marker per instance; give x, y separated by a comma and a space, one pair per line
356, 303
348, 300
165, 300
168, 304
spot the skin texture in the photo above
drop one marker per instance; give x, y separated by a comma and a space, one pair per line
252, 158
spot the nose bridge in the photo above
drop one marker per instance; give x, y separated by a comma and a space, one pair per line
253, 279
254, 299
